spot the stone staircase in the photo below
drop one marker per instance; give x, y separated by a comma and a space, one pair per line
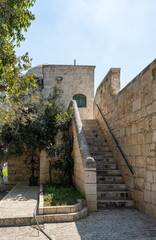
111, 189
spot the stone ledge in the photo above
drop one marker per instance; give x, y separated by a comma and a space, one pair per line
68, 217
58, 209
49, 218
88, 161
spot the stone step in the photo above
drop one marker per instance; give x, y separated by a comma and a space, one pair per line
103, 166
105, 160
49, 218
105, 204
101, 155
92, 143
113, 195
90, 124
94, 130
109, 172
109, 179
111, 187
102, 150
94, 138
99, 148
89, 121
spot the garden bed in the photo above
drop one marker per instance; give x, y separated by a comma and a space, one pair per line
60, 196
60, 200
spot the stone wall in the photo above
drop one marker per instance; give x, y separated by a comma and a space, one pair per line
131, 114
84, 175
17, 170
44, 167
74, 79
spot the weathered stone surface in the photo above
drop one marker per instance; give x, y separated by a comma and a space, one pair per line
75, 80
133, 112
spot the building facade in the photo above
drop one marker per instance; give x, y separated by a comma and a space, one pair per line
77, 82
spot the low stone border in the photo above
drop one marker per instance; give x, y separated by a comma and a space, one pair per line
58, 209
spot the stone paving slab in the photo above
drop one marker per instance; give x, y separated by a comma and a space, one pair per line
121, 224
19, 202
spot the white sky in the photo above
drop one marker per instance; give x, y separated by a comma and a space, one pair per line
104, 33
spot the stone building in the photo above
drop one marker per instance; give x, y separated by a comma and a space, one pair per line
77, 83
100, 171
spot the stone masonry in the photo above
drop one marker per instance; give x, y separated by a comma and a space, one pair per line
131, 114
84, 174
73, 79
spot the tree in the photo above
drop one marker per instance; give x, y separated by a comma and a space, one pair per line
35, 129
15, 17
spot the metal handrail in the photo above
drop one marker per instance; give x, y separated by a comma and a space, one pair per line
115, 140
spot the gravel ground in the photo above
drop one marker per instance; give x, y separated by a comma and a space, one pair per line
120, 224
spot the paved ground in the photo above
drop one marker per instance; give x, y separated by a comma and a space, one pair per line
20, 201
106, 225
125, 224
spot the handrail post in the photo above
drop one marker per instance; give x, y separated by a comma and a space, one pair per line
115, 140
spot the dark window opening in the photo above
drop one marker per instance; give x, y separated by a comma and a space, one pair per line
81, 100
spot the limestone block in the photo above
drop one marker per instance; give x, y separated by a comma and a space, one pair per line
146, 99
140, 138
139, 183
152, 146
90, 177
147, 196
129, 181
91, 198
152, 153
135, 150
151, 168
138, 196
148, 186
143, 126
128, 130
49, 210
154, 136
134, 128
154, 122
136, 105
153, 196
148, 137
122, 132
154, 187
140, 172
154, 107
91, 189
140, 161
151, 209
145, 150
154, 177
150, 176
149, 109
63, 209
92, 206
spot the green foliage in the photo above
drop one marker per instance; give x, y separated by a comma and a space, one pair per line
36, 126
59, 196
62, 149
15, 17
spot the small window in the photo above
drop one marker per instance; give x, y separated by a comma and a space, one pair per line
80, 99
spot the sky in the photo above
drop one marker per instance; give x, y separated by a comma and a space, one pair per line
104, 33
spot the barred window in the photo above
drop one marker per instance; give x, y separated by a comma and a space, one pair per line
81, 100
